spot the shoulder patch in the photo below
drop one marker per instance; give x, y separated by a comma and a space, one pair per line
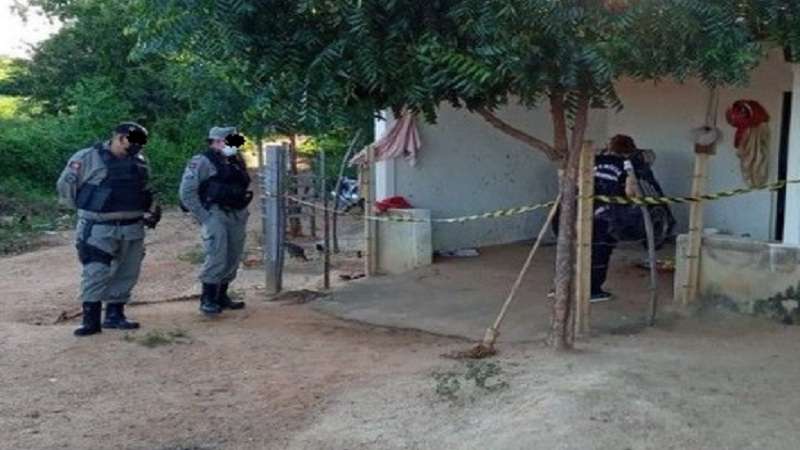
75, 166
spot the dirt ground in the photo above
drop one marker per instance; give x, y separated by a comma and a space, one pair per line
280, 375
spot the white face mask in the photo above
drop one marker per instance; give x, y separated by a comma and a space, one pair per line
229, 151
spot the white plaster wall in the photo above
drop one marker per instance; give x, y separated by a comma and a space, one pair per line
661, 116
466, 166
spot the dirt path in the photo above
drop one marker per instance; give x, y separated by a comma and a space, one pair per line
282, 376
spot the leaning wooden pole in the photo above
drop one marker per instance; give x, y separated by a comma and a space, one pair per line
492, 333
699, 180
583, 254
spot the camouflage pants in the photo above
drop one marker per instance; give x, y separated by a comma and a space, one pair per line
223, 234
111, 256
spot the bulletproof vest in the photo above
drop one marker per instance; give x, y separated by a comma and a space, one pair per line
609, 175
228, 187
124, 188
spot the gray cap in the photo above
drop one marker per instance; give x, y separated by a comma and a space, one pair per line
220, 132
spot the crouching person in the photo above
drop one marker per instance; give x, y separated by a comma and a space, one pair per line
108, 185
214, 189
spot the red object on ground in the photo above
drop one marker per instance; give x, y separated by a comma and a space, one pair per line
397, 202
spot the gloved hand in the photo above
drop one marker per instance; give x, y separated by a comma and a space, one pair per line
628, 165
152, 218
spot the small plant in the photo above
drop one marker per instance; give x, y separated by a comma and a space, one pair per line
158, 338
479, 377
194, 256
485, 374
447, 384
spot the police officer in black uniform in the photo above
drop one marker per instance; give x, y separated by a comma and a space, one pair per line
108, 184
613, 176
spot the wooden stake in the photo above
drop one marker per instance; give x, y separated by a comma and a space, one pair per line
583, 257
326, 226
370, 257
699, 179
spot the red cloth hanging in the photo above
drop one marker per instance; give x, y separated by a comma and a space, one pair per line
745, 115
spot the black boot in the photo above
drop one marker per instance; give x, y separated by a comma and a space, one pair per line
91, 319
225, 301
115, 318
208, 300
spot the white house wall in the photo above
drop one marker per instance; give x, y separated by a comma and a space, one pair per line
465, 166
661, 116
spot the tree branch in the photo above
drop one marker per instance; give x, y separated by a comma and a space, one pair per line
518, 134
558, 114
581, 121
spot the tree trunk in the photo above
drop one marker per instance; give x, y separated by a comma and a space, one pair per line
295, 225
562, 332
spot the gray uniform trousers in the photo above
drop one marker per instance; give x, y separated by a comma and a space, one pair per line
223, 234
111, 276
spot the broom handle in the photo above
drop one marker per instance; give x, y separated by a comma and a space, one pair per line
527, 265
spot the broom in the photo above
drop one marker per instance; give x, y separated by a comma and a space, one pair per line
486, 348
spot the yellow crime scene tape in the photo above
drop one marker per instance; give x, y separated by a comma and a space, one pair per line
618, 200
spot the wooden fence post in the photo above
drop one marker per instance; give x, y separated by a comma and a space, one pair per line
583, 255
699, 179
326, 224
274, 217
370, 232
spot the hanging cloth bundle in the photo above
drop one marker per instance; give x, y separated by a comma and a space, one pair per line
402, 140
752, 142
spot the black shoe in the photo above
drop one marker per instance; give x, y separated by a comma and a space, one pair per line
225, 301
115, 318
91, 319
600, 296
208, 300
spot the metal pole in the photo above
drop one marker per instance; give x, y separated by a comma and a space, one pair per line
336, 190
273, 218
326, 224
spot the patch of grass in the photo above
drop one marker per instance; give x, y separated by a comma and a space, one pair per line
194, 256
25, 213
158, 338
475, 378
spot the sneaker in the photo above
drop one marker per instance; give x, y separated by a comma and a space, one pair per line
551, 294
599, 297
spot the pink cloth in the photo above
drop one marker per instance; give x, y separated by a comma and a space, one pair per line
401, 141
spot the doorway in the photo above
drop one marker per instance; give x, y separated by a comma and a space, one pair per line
783, 163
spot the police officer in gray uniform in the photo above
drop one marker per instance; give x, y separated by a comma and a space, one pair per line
214, 189
108, 184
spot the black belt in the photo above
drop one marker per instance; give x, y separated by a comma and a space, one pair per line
118, 222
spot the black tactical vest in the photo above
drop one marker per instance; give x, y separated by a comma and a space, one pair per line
228, 187
609, 175
123, 190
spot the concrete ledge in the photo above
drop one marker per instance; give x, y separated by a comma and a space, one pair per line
746, 275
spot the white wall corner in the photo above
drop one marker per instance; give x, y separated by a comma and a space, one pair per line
791, 227
385, 185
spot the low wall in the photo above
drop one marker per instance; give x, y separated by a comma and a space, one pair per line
748, 276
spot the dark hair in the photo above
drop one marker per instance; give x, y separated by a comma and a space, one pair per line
622, 144
136, 133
